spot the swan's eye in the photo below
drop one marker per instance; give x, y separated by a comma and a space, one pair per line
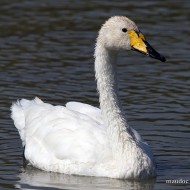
124, 29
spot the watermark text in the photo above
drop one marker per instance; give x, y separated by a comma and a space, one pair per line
178, 181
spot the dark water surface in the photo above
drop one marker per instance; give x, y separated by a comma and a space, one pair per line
46, 50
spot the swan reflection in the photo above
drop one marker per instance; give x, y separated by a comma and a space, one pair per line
32, 178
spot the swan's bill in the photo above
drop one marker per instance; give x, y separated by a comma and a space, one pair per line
138, 43
153, 53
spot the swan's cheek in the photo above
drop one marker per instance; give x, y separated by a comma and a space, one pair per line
122, 44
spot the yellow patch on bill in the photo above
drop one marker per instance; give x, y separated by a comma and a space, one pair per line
136, 41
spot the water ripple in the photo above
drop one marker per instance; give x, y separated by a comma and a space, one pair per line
47, 51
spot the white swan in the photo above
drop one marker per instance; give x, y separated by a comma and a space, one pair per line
79, 138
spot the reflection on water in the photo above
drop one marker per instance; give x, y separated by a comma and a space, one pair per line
33, 178
46, 50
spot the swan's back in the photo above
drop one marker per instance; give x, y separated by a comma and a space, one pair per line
55, 134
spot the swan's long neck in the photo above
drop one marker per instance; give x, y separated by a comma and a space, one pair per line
118, 131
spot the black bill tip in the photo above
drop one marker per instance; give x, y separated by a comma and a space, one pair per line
153, 53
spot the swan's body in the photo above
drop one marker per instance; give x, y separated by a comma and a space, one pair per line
79, 138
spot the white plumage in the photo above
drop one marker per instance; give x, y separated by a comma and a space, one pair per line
82, 139
57, 137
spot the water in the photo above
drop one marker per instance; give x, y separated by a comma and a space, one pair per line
46, 50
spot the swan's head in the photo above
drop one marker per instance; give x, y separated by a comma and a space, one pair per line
120, 33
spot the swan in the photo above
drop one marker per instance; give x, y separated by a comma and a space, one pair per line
80, 139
